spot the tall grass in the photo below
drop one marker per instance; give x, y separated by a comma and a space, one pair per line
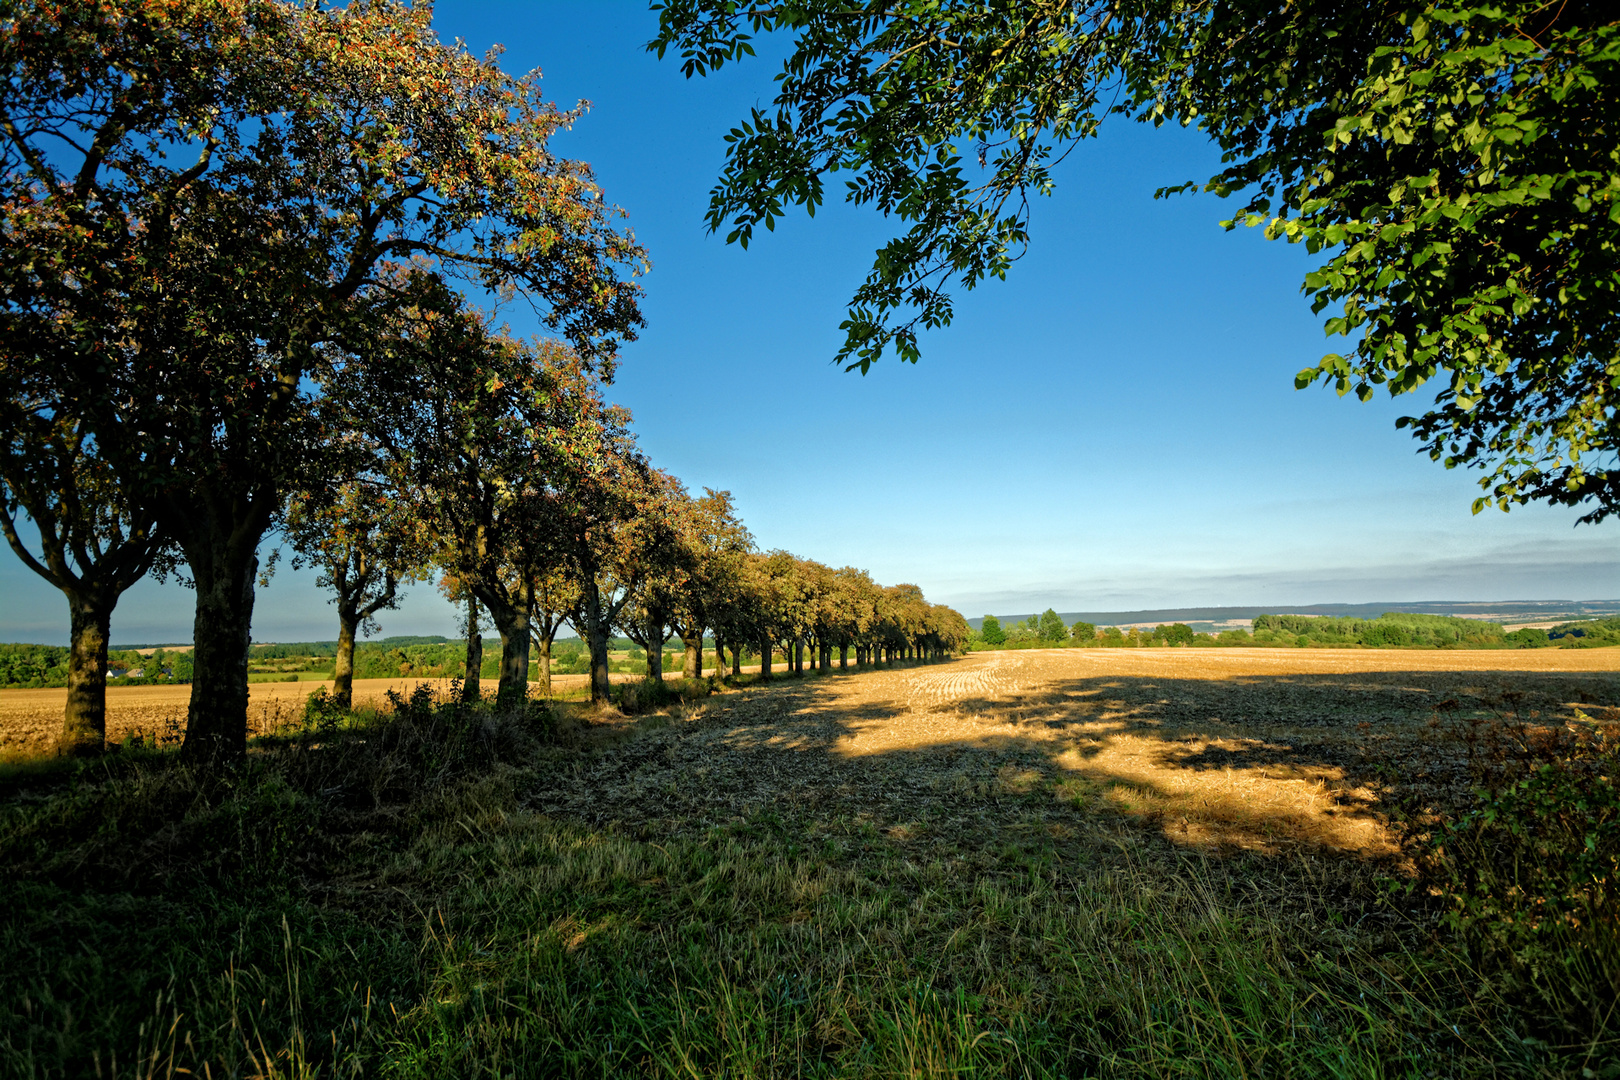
372, 897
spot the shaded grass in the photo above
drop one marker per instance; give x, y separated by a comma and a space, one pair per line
377, 896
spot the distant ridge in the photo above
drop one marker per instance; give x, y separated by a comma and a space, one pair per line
1502, 611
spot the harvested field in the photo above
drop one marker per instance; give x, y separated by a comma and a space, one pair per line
30, 720
1233, 748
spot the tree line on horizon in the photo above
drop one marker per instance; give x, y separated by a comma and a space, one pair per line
244, 242
1391, 630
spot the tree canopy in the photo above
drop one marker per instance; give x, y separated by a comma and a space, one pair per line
1455, 163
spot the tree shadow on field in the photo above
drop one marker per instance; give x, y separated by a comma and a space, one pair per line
1272, 763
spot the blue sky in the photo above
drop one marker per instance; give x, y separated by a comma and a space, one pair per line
1114, 427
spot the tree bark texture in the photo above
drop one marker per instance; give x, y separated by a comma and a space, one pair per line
513, 623
470, 688
216, 721
692, 663
543, 647
765, 658
655, 649
84, 721
343, 666
601, 685
736, 660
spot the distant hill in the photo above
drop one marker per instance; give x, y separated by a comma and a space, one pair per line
1202, 619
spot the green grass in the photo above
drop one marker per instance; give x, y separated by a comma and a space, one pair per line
375, 898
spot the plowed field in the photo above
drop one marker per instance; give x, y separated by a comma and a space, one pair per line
1252, 748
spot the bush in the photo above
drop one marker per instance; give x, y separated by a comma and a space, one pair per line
1530, 876
1527, 637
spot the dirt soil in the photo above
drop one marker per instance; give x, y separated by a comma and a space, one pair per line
1264, 750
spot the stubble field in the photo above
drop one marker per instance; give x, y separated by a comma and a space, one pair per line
1233, 748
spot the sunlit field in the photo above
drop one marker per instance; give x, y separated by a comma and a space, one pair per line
1046, 863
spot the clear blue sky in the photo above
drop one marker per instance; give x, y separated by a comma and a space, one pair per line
1114, 427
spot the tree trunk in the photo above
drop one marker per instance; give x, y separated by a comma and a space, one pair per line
470, 689
826, 656
736, 660
798, 656
765, 658
692, 663
601, 685
216, 721
513, 623
655, 649
543, 646
343, 666
84, 721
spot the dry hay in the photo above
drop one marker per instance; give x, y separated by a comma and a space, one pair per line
1264, 750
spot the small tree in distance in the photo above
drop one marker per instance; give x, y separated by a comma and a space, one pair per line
1083, 633
1051, 629
992, 632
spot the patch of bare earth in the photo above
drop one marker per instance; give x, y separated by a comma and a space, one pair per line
1263, 750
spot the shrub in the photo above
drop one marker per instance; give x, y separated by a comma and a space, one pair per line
1530, 876
1527, 637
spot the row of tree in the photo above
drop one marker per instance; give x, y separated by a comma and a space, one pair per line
241, 237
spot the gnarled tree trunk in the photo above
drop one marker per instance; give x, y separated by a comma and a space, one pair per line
765, 658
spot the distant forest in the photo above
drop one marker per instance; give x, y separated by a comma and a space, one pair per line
1393, 629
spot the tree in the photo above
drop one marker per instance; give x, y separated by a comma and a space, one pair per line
94, 543
1083, 632
1051, 630
990, 629
1453, 160
203, 195
366, 543
712, 543
489, 438
611, 530
853, 609
555, 594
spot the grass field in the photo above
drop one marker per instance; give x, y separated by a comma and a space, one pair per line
1044, 863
